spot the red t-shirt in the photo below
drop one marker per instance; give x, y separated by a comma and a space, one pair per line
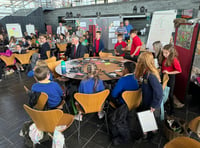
135, 43
123, 45
175, 66
97, 46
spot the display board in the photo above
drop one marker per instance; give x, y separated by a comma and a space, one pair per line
14, 30
161, 27
186, 52
30, 29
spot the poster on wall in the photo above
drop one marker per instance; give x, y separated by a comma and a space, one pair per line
83, 24
14, 30
116, 23
30, 29
184, 36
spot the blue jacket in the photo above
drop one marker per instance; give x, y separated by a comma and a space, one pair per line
101, 46
86, 86
152, 91
52, 89
125, 83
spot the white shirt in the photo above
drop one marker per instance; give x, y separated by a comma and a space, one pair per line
61, 29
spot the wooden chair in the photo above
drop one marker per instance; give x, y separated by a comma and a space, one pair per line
194, 123
23, 58
50, 60
62, 47
91, 103
132, 98
86, 55
48, 53
48, 120
9, 61
165, 80
42, 100
182, 142
104, 54
52, 67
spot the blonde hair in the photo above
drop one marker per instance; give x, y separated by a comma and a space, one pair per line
146, 64
172, 54
157, 47
41, 63
93, 73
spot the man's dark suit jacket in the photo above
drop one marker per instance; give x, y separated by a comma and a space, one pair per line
80, 51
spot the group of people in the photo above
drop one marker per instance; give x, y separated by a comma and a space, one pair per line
142, 73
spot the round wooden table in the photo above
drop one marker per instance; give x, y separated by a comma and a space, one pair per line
109, 68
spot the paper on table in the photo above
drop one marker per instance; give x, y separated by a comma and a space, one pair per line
107, 63
147, 121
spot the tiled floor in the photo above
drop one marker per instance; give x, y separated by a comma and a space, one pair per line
93, 131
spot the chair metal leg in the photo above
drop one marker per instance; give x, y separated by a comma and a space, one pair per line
106, 120
79, 128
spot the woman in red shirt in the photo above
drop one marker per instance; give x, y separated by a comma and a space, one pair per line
171, 66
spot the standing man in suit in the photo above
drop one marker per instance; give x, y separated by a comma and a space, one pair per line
61, 29
77, 50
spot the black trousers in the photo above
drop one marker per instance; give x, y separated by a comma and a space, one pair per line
128, 57
1, 68
171, 84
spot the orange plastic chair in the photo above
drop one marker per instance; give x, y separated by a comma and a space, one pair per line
9, 61
132, 98
52, 59
52, 67
42, 100
48, 53
62, 47
91, 103
31, 52
165, 80
23, 58
48, 120
194, 123
86, 55
104, 54
182, 142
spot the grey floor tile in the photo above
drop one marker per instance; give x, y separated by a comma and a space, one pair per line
102, 139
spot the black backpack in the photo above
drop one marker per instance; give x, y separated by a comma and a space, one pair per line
118, 124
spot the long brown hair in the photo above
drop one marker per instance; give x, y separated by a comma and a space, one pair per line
146, 64
172, 54
93, 73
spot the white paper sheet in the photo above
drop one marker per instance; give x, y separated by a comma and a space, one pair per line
114, 41
112, 35
82, 24
116, 23
147, 121
112, 29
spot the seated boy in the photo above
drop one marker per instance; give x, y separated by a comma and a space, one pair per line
126, 83
120, 42
19, 50
52, 89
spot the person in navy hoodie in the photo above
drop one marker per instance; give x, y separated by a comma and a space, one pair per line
126, 83
98, 44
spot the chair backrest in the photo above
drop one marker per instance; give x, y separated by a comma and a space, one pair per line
194, 123
9, 61
52, 67
45, 120
182, 142
48, 53
104, 54
165, 80
132, 98
62, 47
31, 52
23, 58
86, 55
52, 59
92, 102
42, 100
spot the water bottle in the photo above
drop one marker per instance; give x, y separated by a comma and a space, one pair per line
63, 67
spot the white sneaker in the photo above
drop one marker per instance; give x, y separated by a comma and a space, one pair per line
78, 117
101, 114
177, 103
0, 80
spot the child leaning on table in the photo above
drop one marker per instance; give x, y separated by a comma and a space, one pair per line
51, 88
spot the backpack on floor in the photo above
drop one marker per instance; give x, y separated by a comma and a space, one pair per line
118, 124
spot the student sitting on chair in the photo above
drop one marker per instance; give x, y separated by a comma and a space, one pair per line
98, 44
92, 84
19, 50
52, 89
126, 83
